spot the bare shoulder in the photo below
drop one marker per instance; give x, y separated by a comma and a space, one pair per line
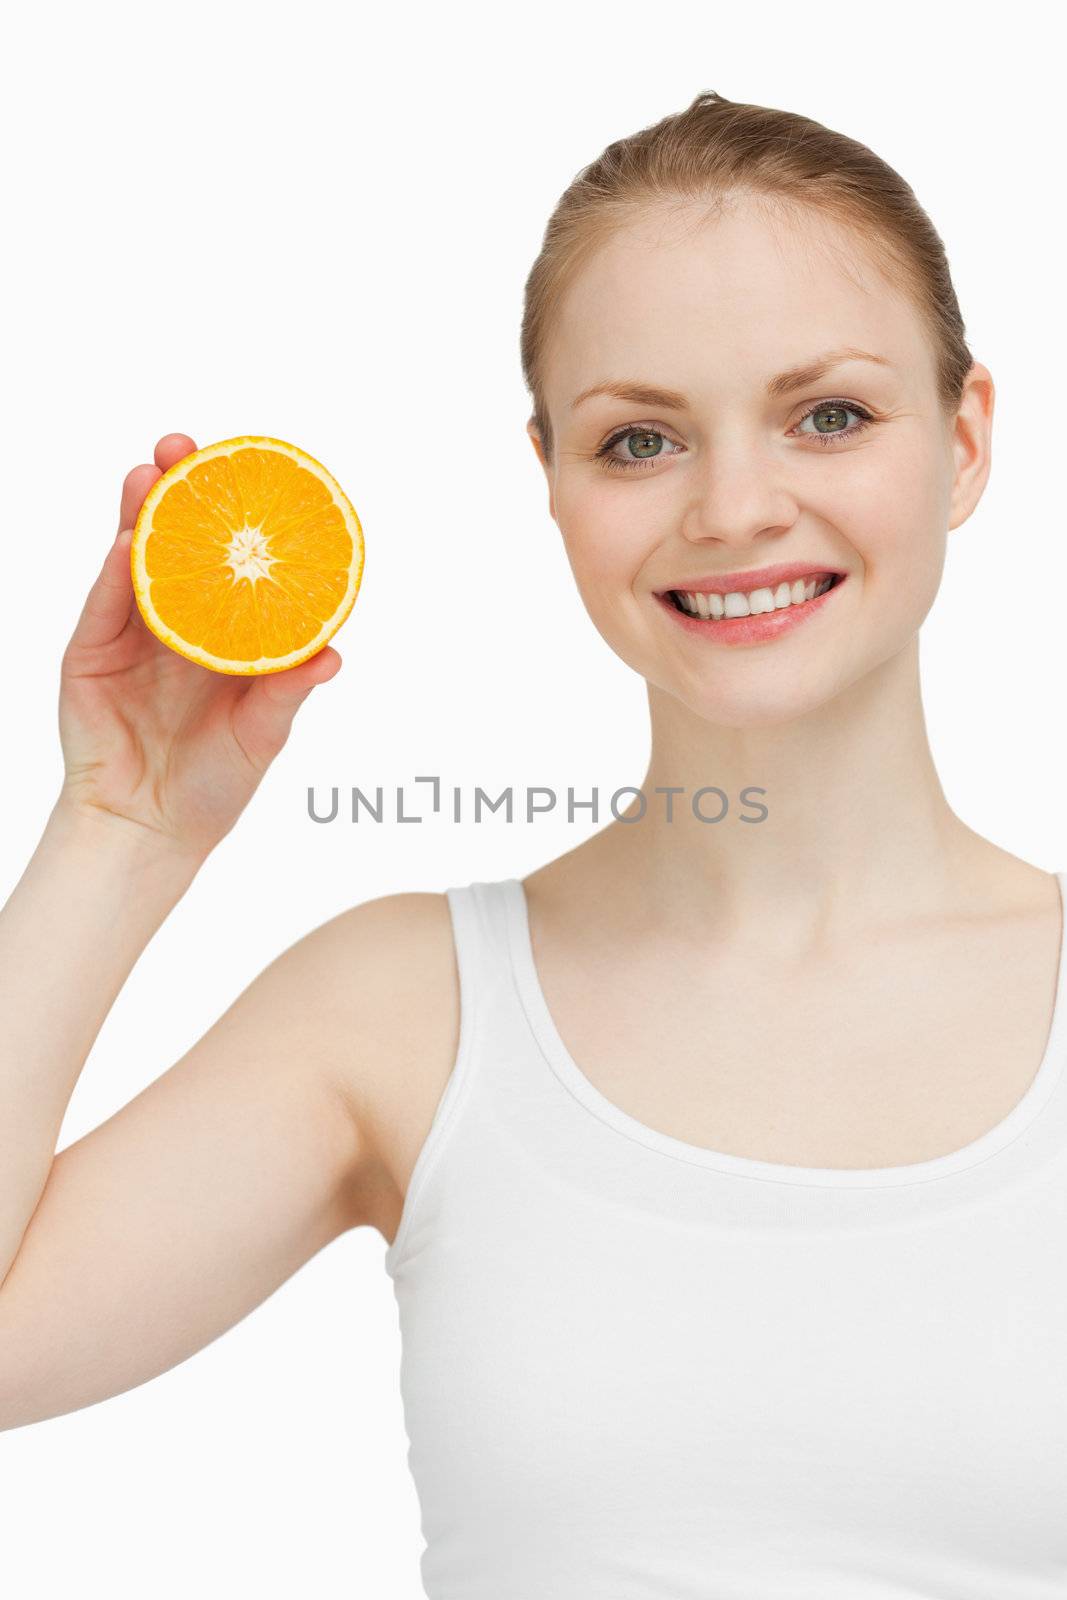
395, 1027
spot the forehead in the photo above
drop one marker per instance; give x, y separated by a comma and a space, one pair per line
712, 302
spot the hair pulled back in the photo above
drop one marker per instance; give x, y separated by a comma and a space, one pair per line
717, 149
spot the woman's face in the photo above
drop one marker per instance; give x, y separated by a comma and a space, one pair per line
730, 475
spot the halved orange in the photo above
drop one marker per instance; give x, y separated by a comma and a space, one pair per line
247, 556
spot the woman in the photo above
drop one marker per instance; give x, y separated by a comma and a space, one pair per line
721, 1161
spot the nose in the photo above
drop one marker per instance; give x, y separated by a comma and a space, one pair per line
736, 495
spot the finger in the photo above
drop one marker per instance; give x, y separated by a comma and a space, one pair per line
171, 448
264, 716
319, 668
284, 691
135, 486
110, 600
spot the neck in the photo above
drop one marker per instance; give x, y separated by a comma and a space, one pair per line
857, 830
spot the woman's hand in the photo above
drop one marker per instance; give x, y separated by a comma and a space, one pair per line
152, 741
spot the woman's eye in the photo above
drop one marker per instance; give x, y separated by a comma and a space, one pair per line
643, 447
832, 414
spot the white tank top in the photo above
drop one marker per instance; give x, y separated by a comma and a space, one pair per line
637, 1369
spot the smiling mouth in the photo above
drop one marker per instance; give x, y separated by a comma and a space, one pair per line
713, 607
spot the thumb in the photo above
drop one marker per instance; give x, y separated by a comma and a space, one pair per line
263, 717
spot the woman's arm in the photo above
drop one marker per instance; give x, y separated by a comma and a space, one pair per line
160, 758
168, 1223
86, 906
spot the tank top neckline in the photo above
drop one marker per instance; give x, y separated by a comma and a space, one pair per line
998, 1138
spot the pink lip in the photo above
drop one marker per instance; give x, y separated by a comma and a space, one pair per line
751, 630
753, 578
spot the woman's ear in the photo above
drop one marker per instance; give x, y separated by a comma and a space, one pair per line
538, 444
972, 440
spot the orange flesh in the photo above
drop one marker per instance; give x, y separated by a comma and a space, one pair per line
237, 593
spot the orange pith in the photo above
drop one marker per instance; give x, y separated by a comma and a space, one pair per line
247, 556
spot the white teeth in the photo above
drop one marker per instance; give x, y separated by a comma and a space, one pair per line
715, 606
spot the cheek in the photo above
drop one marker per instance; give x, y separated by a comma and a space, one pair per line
607, 540
895, 516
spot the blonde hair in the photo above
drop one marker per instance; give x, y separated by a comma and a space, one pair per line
717, 148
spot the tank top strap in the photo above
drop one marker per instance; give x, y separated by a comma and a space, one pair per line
491, 1022
483, 935
481, 919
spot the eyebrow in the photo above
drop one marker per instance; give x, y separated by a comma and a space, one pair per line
782, 383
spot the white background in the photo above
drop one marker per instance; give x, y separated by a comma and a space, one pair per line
315, 222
